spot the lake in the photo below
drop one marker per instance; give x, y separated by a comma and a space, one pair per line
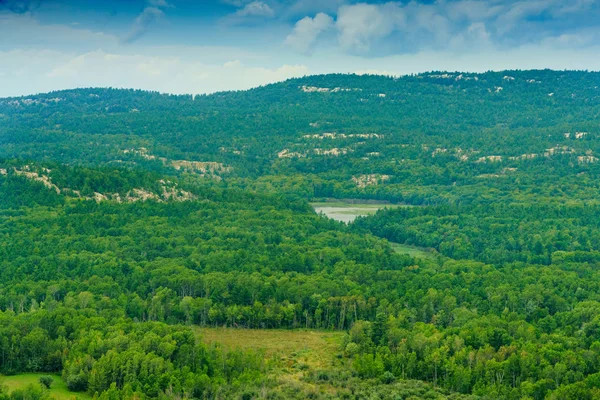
348, 212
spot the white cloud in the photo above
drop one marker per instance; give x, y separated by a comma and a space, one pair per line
475, 37
233, 64
471, 10
519, 11
306, 32
236, 3
255, 9
142, 23
563, 8
392, 38
23, 72
249, 13
399, 27
149, 16
361, 24
203, 70
300, 8
573, 40
159, 3
32, 34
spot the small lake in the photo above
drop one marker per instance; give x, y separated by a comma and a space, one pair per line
347, 212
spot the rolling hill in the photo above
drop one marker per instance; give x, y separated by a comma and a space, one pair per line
133, 223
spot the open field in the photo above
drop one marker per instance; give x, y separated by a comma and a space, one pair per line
313, 348
348, 212
58, 390
293, 353
412, 251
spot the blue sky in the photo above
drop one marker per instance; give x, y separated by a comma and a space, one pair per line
185, 46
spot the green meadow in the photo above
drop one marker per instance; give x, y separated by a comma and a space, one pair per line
58, 390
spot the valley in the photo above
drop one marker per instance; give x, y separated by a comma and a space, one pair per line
427, 236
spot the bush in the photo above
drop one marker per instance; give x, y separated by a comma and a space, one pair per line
369, 366
77, 383
248, 395
323, 376
46, 381
30, 392
302, 366
387, 378
352, 349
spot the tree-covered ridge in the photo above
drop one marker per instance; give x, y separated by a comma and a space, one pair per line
128, 217
497, 232
368, 136
22, 183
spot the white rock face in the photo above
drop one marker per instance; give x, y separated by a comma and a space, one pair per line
587, 159
316, 89
363, 181
489, 159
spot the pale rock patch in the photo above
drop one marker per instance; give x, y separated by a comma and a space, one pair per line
363, 181
487, 159
316, 89
285, 153
559, 150
530, 156
331, 152
587, 159
34, 176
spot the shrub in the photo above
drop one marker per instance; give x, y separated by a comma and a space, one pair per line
352, 349
387, 378
77, 383
46, 381
323, 376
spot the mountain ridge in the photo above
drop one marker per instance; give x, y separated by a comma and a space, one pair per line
442, 74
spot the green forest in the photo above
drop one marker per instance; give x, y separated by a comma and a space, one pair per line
135, 223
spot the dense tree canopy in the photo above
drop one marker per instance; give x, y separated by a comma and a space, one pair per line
128, 218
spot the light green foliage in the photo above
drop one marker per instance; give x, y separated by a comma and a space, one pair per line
31, 383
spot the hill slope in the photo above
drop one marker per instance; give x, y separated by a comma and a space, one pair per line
334, 135
128, 218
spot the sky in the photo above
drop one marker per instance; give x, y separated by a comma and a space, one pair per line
204, 46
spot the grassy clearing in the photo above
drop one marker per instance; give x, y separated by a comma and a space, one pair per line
413, 251
58, 390
313, 348
293, 353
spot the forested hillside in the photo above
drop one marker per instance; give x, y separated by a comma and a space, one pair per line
420, 139
131, 219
